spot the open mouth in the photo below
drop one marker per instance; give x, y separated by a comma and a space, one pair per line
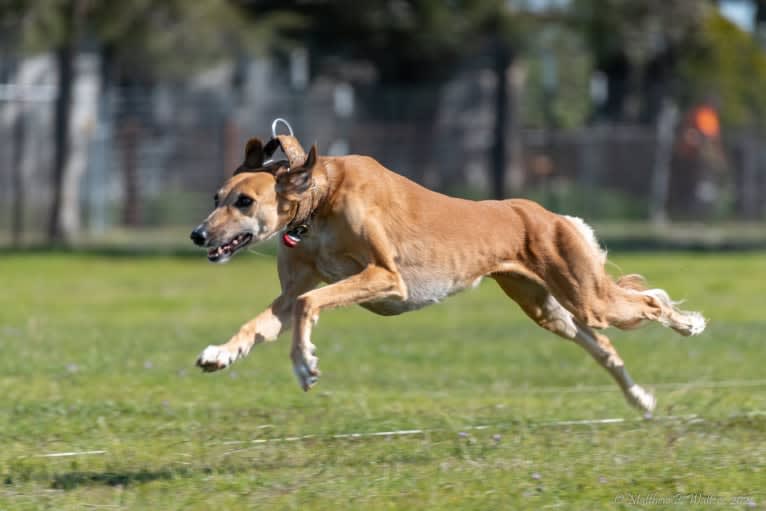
225, 251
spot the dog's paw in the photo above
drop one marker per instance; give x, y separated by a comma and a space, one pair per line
690, 323
641, 399
215, 358
306, 367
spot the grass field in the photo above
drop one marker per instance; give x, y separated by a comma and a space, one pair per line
98, 355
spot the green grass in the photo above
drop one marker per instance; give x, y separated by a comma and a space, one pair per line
98, 355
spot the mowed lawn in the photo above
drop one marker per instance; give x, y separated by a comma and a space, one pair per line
98, 360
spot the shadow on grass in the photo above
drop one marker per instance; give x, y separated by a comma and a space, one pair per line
72, 480
747, 423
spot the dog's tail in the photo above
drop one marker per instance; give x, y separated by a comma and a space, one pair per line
587, 233
632, 290
633, 282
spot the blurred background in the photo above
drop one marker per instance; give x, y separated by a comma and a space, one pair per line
643, 115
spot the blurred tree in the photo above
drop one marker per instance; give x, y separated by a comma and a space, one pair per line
414, 45
636, 45
140, 41
9, 36
407, 41
62, 19
728, 69
559, 72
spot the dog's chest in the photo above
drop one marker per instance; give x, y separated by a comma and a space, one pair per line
331, 263
335, 268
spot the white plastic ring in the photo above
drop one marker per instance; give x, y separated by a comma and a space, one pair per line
276, 123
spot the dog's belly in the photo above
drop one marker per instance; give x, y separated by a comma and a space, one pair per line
423, 287
421, 292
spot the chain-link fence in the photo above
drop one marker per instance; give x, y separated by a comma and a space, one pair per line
155, 159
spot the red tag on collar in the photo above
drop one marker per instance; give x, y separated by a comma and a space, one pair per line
294, 236
289, 240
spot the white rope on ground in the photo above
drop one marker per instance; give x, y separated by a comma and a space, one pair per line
554, 423
692, 418
408, 432
540, 390
581, 389
65, 454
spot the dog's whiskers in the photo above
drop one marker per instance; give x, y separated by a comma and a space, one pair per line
253, 250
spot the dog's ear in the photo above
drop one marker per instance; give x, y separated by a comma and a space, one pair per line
253, 156
293, 184
290, 146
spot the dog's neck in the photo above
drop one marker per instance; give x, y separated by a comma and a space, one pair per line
312, 200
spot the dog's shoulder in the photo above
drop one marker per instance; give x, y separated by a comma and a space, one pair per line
359, 173
358, 166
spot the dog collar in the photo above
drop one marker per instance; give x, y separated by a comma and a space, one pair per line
291, 238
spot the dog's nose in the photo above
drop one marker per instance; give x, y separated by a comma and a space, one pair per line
199, 235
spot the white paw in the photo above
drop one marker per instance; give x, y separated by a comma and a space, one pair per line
214, 358
697, 323
641, 399
693, 323
306, 366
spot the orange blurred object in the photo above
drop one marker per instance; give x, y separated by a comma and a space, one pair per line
706, 119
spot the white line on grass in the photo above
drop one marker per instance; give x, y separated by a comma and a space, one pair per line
693, 418
554, 423
65, 454
582, 389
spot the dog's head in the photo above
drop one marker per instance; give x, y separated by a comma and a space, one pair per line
259, 200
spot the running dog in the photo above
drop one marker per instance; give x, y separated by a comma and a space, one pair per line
390, 245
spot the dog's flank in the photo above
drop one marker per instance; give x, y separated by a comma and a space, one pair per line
390, 245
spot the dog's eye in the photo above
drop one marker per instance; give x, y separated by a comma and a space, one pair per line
216, 201
243, 201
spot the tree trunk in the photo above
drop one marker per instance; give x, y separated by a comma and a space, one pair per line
131, 206
65, 55
760, 22
81, 125
19, 146
660, 186
617, 71
502, 62
516, 175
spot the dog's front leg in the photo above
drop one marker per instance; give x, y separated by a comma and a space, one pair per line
267, 326
373, 283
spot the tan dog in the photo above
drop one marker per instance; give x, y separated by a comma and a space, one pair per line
392, 246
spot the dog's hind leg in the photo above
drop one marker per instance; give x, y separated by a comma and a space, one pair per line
542, 307
631, 304
585, 288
